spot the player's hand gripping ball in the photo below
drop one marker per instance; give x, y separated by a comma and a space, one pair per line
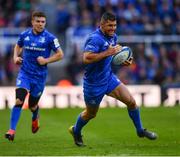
123, 57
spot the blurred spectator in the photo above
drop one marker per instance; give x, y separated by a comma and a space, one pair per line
21, 18
85, 24
9, 65
2, 20
75, 67
157, 63
62, 17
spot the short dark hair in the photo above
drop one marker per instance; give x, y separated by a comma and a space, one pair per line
108, 16
38, 14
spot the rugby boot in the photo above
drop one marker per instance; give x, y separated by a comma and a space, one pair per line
10, 135
35, 125
77, 138
148, 134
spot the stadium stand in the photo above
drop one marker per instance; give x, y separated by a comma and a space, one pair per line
150, 27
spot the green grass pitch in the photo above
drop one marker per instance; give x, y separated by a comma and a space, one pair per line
110, 133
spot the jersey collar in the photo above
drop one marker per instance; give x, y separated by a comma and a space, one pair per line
106, 36
38, 33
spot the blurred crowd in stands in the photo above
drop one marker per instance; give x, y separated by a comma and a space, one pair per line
158, 63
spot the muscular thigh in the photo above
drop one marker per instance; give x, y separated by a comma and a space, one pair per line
122, 93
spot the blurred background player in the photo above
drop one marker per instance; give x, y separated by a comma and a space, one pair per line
100, 80
32, 51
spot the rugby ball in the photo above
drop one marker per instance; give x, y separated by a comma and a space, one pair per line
122, 56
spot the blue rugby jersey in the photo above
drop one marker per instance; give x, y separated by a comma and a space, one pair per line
98, 73
33, 47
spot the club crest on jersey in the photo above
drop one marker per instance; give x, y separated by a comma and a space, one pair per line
42, 40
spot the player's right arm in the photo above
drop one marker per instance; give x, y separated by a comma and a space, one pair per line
17, 52
91, 57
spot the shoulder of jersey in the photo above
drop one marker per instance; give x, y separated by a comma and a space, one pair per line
49, 34
95, 36
27, 31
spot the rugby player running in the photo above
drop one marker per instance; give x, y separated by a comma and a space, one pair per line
33, 53
99, 79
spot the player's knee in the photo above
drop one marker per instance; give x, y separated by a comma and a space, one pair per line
132, 103
33, 108
91, 115
32, 105
88, 115
19, 102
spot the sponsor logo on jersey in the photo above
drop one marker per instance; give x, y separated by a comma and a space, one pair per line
34, 48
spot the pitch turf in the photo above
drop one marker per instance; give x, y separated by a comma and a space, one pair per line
110, 133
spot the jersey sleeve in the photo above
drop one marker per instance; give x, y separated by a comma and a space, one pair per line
20, 41
54, 44
92, 44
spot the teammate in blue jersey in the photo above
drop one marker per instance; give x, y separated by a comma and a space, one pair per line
33, 53
99, 79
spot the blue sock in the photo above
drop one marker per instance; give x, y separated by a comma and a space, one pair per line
135, 116
15, 115
80, 123
35, 113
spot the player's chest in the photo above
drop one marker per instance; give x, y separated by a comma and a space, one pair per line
107, 42
32, 42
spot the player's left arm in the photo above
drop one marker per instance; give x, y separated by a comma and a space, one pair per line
55, 57
58, 55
